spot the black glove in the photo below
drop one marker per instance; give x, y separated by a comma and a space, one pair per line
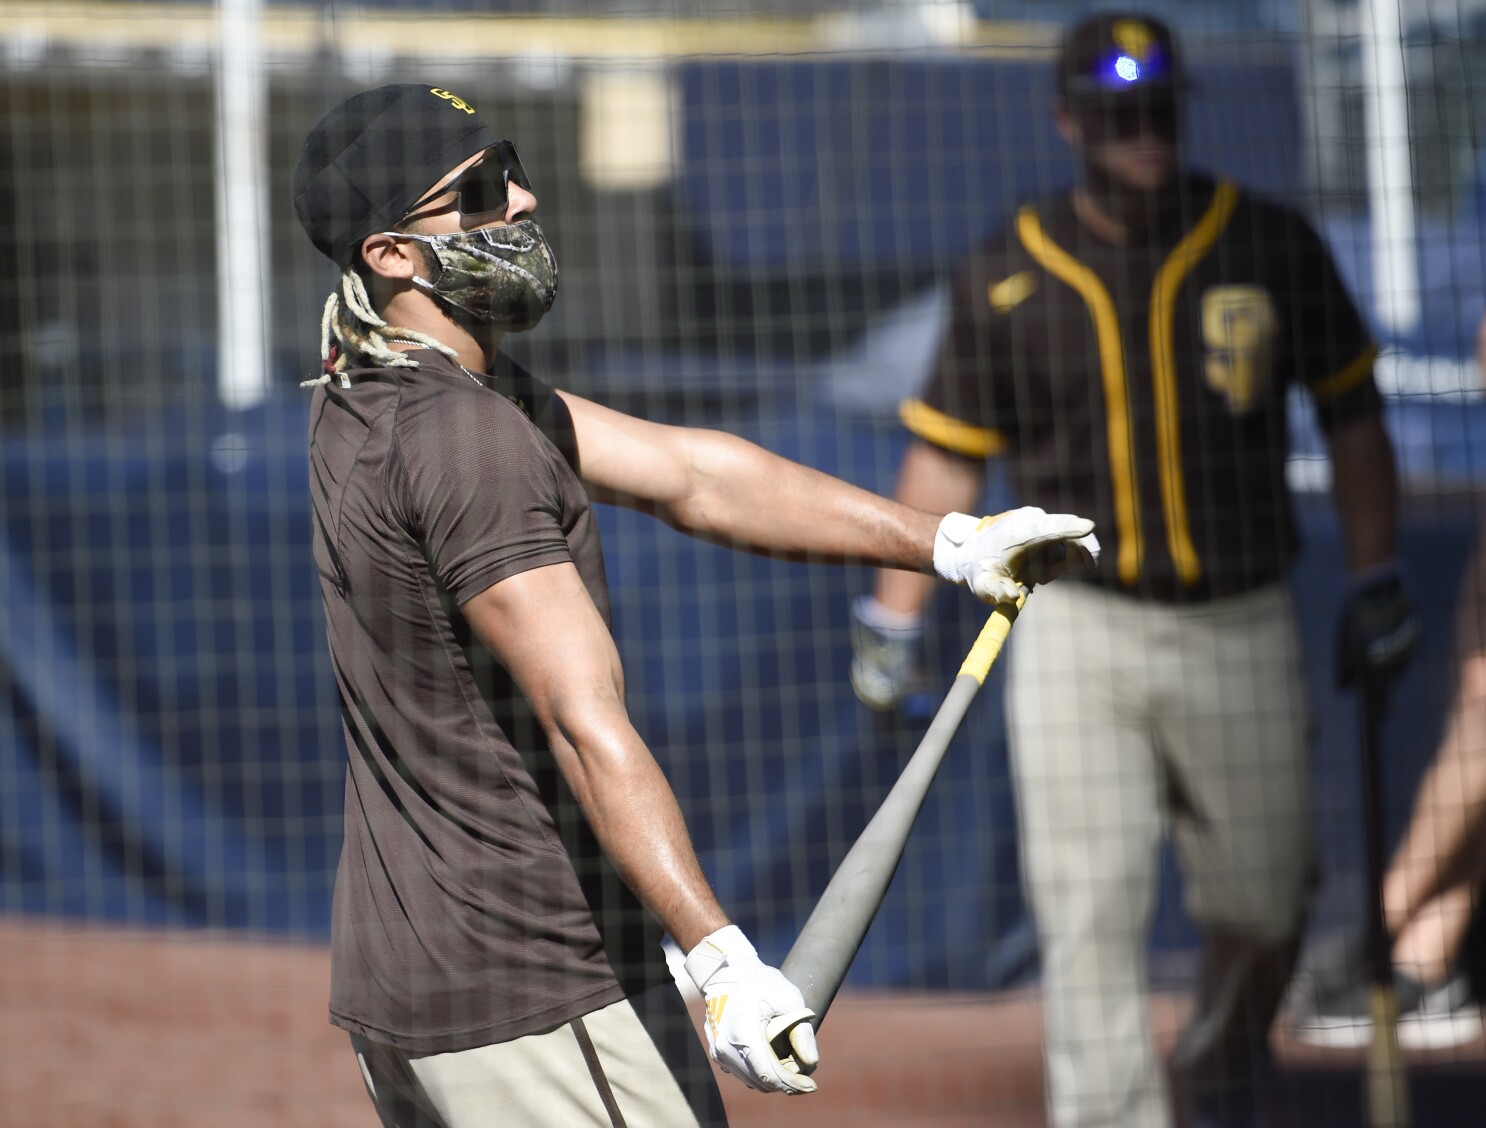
1378, 629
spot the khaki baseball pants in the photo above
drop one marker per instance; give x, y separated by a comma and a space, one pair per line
633, 1064
1130, 720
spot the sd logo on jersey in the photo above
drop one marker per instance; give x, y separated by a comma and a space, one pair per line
1239, 325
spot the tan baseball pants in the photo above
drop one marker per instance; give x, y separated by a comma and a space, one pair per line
1129, 720
608, 1069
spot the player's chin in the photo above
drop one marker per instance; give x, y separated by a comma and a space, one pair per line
1149, 172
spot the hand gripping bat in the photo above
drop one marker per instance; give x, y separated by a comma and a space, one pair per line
822, 953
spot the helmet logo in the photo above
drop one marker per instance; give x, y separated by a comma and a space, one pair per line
1133, 37
453, 99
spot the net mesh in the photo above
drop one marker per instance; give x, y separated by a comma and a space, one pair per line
757, 208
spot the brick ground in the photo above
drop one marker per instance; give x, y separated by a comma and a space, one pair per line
124, 1029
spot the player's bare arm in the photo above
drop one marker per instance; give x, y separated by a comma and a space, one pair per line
1378, 628
543, 627
932, 480
1365, 491
718, 486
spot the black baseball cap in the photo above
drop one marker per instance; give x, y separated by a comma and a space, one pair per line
374, 156
1112, 53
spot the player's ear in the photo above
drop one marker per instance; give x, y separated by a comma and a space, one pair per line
389, 257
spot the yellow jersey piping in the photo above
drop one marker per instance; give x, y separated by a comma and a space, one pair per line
948, 432
1348, 378
1063, 266
1193, 247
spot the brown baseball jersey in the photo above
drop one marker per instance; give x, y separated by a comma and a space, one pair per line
1144, 386
472, 903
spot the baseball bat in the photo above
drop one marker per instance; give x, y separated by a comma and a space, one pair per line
1387, 1085
822, 953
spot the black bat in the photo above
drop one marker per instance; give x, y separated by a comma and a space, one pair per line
1387, 1084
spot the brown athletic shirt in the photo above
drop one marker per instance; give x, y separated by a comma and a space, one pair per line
1145, 386
472, 904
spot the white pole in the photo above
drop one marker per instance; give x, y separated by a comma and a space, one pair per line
1390, 174
242, 230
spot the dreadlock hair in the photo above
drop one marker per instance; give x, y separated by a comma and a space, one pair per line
352, 333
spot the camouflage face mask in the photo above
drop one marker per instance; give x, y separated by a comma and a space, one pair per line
504, 276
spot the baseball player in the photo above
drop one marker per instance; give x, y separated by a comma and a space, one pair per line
1127, 346
512, 851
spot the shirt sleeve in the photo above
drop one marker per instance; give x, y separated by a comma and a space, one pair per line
540, 403
1333, 351
959, 409
476, 483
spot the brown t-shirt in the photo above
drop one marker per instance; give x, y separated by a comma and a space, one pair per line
472, 904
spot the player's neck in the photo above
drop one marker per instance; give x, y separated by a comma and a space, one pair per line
473, 349
1106, 223
1122, 217
1119, 214
474, 346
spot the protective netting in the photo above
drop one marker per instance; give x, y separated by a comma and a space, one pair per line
757, 208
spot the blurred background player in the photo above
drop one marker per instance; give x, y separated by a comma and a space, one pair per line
512, 849
1127, 346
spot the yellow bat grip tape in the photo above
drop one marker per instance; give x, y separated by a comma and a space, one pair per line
987, 646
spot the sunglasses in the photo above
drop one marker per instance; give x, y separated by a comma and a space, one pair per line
1126, 117
482, 187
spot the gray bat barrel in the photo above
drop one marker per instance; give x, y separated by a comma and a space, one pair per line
822, 953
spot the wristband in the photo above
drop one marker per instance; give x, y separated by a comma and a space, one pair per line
900, 624
953, 531
727, 946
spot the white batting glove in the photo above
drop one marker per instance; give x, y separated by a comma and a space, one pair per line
749, 1005
999, 557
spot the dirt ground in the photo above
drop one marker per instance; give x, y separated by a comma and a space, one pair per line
131, 1029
